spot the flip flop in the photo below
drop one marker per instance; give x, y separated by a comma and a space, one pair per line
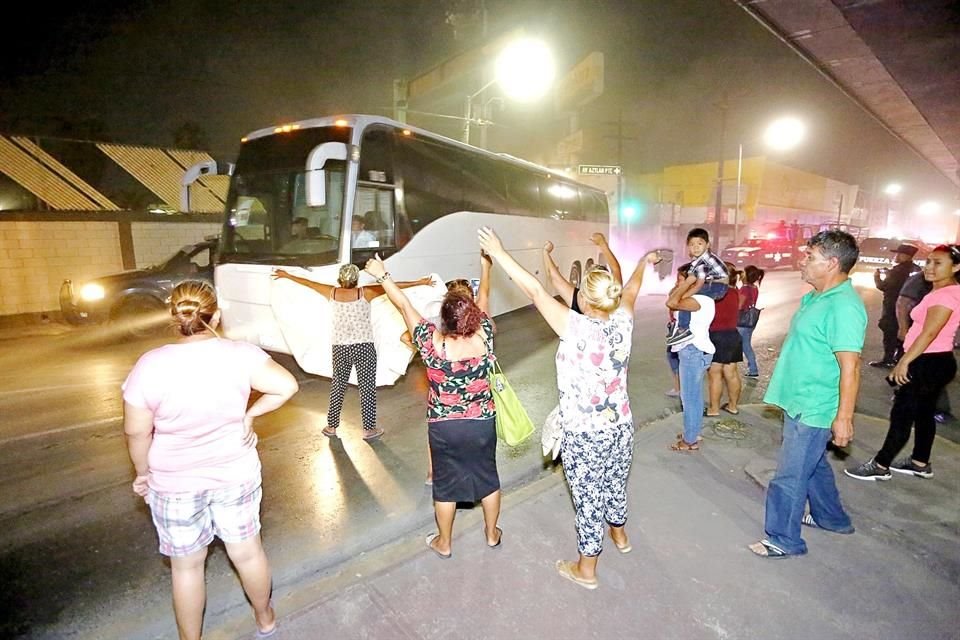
499, 540
431, 538
330, 432
565, 569
710, 415
768, 550
726, 407
682, 446
627, 548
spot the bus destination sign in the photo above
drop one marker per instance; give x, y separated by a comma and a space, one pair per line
599, 170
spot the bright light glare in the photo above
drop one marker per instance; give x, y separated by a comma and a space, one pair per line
525, 70
893, 189
562, 191
784, 133
928, 208
92, 292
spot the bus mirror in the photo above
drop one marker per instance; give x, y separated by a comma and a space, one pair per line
316, 176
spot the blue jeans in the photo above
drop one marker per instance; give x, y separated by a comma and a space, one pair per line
803, 474
713, 289
746, 338
693, 364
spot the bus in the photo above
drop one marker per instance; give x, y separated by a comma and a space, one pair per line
312, 195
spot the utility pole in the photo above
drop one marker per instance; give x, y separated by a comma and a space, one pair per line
620, 138
723, 105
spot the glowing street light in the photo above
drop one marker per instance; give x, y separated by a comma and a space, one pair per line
525, 71
893, 189
782, 134
928, 208
785, 133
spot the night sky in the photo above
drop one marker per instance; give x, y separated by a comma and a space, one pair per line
133, 72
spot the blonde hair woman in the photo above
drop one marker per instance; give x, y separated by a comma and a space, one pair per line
592, 360
191, 439
352, 343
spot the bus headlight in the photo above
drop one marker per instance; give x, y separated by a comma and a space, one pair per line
91, 292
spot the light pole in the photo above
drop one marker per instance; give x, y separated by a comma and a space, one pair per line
782, 134
524, 69
892, 190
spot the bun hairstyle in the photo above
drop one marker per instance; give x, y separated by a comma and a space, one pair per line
348, 276
734, 274
459, 314
601, 290
192, 305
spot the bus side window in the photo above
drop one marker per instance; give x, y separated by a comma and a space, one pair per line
523, 193
432, 181
560, 200
375, 211
594, 205
484, 185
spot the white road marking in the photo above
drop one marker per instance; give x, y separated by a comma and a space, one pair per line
50, 432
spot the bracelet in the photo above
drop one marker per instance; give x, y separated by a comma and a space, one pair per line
385, 276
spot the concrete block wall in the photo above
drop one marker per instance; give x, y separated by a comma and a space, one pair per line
35, 258
154, 242
37, 255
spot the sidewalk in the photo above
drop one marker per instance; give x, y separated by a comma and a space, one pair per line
690, 574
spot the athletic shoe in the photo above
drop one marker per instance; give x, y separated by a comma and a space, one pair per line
751, 375
869, 470
908, 467
679, 337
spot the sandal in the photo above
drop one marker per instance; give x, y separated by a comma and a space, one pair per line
429, 541
682, 446
766, 549
680, 437
330, 432
626, 548
499, 539
565, 569
726, 407
372, 434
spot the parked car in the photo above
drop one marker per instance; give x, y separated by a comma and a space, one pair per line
136, 300
766, 253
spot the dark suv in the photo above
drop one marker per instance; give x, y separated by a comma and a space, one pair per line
136, 299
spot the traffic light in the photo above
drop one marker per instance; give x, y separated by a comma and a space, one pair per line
630, 210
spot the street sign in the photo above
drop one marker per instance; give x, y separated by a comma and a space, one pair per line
599, 170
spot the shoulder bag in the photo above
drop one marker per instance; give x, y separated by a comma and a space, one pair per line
748, 317
513, 424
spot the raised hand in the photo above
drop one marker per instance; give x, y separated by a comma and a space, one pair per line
598, 239
548, 246
489, 242
375, 266
279, 274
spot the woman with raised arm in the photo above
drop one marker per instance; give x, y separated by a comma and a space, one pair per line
191, 440
592, 360
461, 416
569, 293
351, 343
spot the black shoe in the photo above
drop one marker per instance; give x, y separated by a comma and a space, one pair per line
882, 364
908, 467
679, 337
869, 470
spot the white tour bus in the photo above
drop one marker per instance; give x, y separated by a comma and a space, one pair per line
313, 195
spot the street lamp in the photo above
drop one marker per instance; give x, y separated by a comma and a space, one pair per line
782, 134
524, 69
893, 189
928, 208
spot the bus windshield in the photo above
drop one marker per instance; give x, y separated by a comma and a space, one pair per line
269, 219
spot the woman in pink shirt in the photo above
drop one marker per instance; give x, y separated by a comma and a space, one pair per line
190, 436
927, 366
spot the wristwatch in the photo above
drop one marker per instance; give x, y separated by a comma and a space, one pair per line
385, 276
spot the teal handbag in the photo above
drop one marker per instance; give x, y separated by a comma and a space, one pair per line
514, 426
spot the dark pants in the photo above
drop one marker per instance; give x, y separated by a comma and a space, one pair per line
363, 356
892, 345
914, 405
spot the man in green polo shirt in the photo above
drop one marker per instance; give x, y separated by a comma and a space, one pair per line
815, 382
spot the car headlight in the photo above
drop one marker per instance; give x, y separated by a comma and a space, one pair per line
92, 292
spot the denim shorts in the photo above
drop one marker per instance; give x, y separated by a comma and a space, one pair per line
187, 522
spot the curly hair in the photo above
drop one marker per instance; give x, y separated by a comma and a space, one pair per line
192, 305
459, 314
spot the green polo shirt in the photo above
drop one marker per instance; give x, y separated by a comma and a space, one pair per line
806, 379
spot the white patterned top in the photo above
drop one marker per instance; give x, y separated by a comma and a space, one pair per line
592, 362
351, 321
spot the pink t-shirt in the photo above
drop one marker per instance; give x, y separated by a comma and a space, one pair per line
198, 393
948, 297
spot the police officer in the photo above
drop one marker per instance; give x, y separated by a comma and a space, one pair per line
890, 286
